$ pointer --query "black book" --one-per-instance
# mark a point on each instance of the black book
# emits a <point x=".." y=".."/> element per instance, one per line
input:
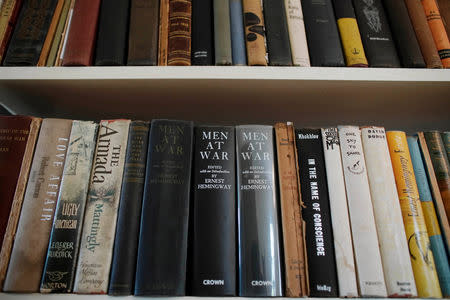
<point x="258" y="221"/>
<point x="30" y="32"/>
<point x="322" y="34"/>
<point x="162" y="251"/>
<point x="403" y="33"/>
<point x="278" y="45"/>
<point x="123" y="265"/>
<point x="112" y="33"/>
<point x="316" y="213"/>
<point x="202" y="33"/>
<point x="214" y="212"/>
<point x="376" y="34"/>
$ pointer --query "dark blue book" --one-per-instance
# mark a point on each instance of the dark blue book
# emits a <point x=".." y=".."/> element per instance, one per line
<point x="238" y="50"/>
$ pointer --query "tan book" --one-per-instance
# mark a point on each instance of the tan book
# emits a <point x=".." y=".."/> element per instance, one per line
<point x="255" y="38"/>
<point x="50" y="34"/>
<point x="64" y="35"/>
<point x="35" y="222"/>
<point x="163" y="32"/>
<point x="52" y="54"/>
<point x="297" y="34"/>
<point x="8" y="16"/>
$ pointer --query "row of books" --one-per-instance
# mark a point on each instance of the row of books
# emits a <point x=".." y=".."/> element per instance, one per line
<point x="169" y="208"/>
<point x="334" y="33"/>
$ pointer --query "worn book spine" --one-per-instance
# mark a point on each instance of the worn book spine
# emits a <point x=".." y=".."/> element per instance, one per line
<point x="202" y="33"/>
<point x="398" y="271"/>
<point x="80" y="45"/>
<point x="291" y="212"/>
<point x="446" y="140"/>
<point x="403" y="34"/>
<point x="65" y="34"/>
<point x="441" y="166"/>
<point x="343" y="245"/>
<point x="53" y="51"/>
<point x="99" y="225"/>
<point x="444" y="9"/>
<point x="35" y="223"/>
<point x="179" y="36"/>
<point x="62" y="252"/>
<point x="8" y="16"/>
<point x="28" y="38"/>
<point x="437" y="28"/>
<point x="369" y="266"/>
<point x="255" y="37"/>
<point x="163" y="38"/>
<point x="222" y="33"/>
<point x="434" y="232"/>
<point x="112" y="35"/>
<point x="376" y="34"/>
<point x="423" y="34"/>
<point x="162" y="251"/>
<point x="349" y="32"/>
<point x="17" y="200"/>
<point x="258" y="238"/>
<point x="322" y="34"/>
<point x="50" y="34"/>
<point x="422" y="260"/>
<point x="123" y="265"/>
<point x="214" y="212"/>
<point x="316" y="213"/>
<point x="238" y="51"/>
<point x="297" y="34"/>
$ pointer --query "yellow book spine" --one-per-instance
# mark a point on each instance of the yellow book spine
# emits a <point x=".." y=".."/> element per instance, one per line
<point x="413" y="218"/>
<point x="351" y="43"/>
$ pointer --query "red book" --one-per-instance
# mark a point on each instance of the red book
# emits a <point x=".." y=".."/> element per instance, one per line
<point x="80" y="45"/>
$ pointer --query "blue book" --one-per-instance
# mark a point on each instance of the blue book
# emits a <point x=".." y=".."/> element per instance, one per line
<point x="237" y="33"/>
<point x="434" y="233"/>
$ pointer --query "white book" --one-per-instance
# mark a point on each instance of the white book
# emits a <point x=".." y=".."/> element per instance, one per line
<point x="342" y="236"/>
<point x="394" y="250"/>
<point x="297" y="34"/>
<point x="365" y="240"/>
<point x="99" y="226"/>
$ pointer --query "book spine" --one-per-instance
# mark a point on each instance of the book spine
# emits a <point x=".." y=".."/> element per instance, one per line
<point x="35" y="223"/>
<point x="316" y="213"/>
<point x="214" y="214"/>
<point x="297" y="34"/>
<point x="434" y="232"/>
<point x="222" y="33"/>
<point x="423" y="34"/>
<point x="437" y="28"/>
<point x="446" y="140"/>
<point x="17" y="199"/>
<point x="254" y="33"/>
<point x="202" y="33"/>
<point x="28" y="37"/>
<point x="8" y="16"/>
<point x="349" y="32"/>
<point x="143" y="33"/>
<point x="99" y="226"/>
<point x="403" y="34"/>
<point x="444" y="9"/>
<point x="364" y="231"/>
<point x="291" y="212"/>
<point x="50" y="34"/>
<point x="398" y="272"/>
<point x="65" y="34"/>
<point x="237" y="33"/>
<point x="112" y="33"/>
<point x="57" y="40"/>
<point x="322" y="34"/>
<point x="343" y="246"/>
<point x="376" y="34"/>
<point x="422" y="260"/>
<point x="162" y="251"/>
<point x="163" y="38"/>
<point x="123" y="265"/>
<point x="258" y="238"/>
<point x="62" y="252"/>
<point x="179" y="37"/>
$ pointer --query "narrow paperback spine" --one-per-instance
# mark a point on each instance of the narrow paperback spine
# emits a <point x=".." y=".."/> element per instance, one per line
<point x="50" y="34"/>
<point x="222" y="33"/>
<point x="59" y="32"/>
<point x="64" y="36"/>
<point x="202" y="33"/>
<point x="254" y="33"/>
<point x="179" y="36"/>
<point x="237" y="33"/>
<point x="297" y="34"/>
<point x="163" y="38"/>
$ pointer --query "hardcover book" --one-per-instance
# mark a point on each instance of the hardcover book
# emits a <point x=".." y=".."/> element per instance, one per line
<point x="202" y="33"/>
<point x="254" y="33"/>
<point x="343" y="245"/>
<point x="238" y="51"/>
<point x="368" y="262"/>
<point x="398" y="272"/>
<point x="179" y="36"/>
<point x="123" y="265"/>
<point x="163" y="38"/>
<point x="297" y="34"/>
<point x="316" y="213"/>
<point x="59" y="33"/>
<point x="444" y="10"/>
<point x="162" y="251"/>
<point x="50" y="34"/>
<point x="62" y="252"/>
<point x="99" y="225"/>
<point x="222" y="33"/>
<point x="214" y="212"/>
<point x="258" y="238"/>
<point x="35" y="223"/>
<point x="8" y="17"/>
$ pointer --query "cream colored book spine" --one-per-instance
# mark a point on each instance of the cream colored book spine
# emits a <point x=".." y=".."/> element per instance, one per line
<point x="297" y="34"/>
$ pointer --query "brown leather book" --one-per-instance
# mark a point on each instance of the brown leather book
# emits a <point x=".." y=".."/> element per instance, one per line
<point x="163" y="32"/>
<point x="444" y="9"/>
<point x="254" y="33"/>
<point x="35" y="222"/>
<point x="50" y="34"/>
<point x="8" y="17"/>
<point x="423" y="34"/>
<point x="179" y="41"/>
<point x="80" y="44"/>
<point x="18" y="162"/>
